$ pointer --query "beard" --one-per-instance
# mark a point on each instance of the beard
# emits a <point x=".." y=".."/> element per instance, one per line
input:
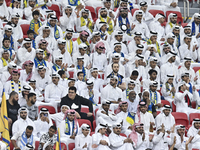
<point x="85" y="17"/>
<point x="104" y="15"/>
<point x="124" y="15"/>
<point x="15" y="102"/>
<point x="32" y="102"/>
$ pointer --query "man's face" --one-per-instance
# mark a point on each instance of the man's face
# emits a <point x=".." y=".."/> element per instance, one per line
<point x="32" y="3"/>
<point x="90" y="87"/>
<point x="6" y="43"/>
<point x="119" y="38"/>
<point x="39" y="56"/>
<point x="27" y="45"/>
<point x="124" y="4"/>
<point x="187" y="31"/>
<point x="117" y="130"/>
<point x="145" y="96"/>
<point x="15" y="76"/>
<point x="33" y="99"/>
<point x="61" y="46"/>
<point x="176" y="32"/>
<point x="118" y="48"/>
<point x="106" y="107"/>
<point x="181" y="132"/>
<point x="115" y="68"/>
<point x="140" y="129"/>
<point x="187" y="40"/>
<point x="173" y="20"/>
<point x="52" y="22"/>
<point x="94" y="74"/>
<point x="29" y="68"/>
<point x="69" y="36"/>
<point x="71" y="83"/>
<point x="103" y="13"/>
<point x="139" y="18"/>
<point x="107" y="5"/>
<point x="1" y="2"/>
<point x="185" y="78"/>
<point x="167" y="50"/>
<point x="139" y="51"/>
<point x="197" y="125"/>
<point x="23" y="114"/>
<point x="80" y="62"/>
<point x="153" y="76"/>
<point x="166" y="112"/>
<point x="153" y="88"/>
<point x="161" y="20"/>
<point x="70" y="117"/>
<point x="55" y="80"/>
<point x="143" y="109"/>
<point x="134" y="77"/>
<point x="82" y="51"/>
<point x="71" y="94"/>
<point x="137" y="39"/>
<point x="131" y="86"/>
<point x="43" y="46"/>
<point x="144" y="8"/>
<point x="123" y="13"/>
<point x="113" y="82"/>
<point x="197" y="20"/>
<point x="187" y="64"/>
<point x="15" y="20"/>
<point x="5" y="56"/>
<point x="124" y="107"/>
<point x="103" y="131"/>
<point x="46" y="32"/>
<point x="32" y="85"/>
<point x="170" y="41"/>
<point x="97" y="38"/>
<point x="42" y="72"/>
<point x="132" y="95"/>
<point x="115" y="60"/>
<point x="15" y="99"/>
<point x="83" y="38"/>
<point x="85" y="132"/>
<point x="64" y="109"/>
<point x="68" y="11"/>
<point x="28" y="133"/>
<point x="8" y="33"/>
<point x="58" y="62"/>
<point x="173" y="58"/>
<point x="51" y="132"/>
<point x="153" y="38"/>
<point x="85" y="15"/>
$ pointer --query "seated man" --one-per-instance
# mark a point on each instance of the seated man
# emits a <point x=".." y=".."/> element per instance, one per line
<point x="118" y="142"/>
<point x="27" y="71"/>
<point x="106" y="115"/>
<point x="43" y="123"/>
<point x="172" y="21"/>
<point x="23" y="121"/>
<point x="23" y="137"/>
<point x="133" y="100"/>
<point x="83" y="140"/>
<point x="39" y="95"/>
<point x="99" y="139"/>
<point x="49" y="137"/>
<point x="69" y="127"/>
<point x="75" y="101"/>
<point x="24" y="96"/>
<point x="194" y="132"/>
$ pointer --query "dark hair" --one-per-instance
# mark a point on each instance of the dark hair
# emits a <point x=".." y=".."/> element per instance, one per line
<point x="135" y="73"/>
<point x="73" y="89"/>
<point x="30" y="31"/>
<point x="29" y="127"/>
<point x="13" y="93"/>
<point x="36" y="12"/>
<point x="5" y="39"/>
<point x="53" y="127"/>
<point x="31" y="95"/>
<point x="152" y="71"/>
<point x="61" y="72"/>
<point x="114" y="63"/>
<point x="79" y="73"/>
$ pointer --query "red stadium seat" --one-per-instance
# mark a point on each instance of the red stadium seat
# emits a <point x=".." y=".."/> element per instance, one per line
<point x="115" y="9"/>
<point x="85" y="110"/>
<point x="194" y="104"/>
<point x="62" y="146"/>
<point x="37" y="143"/>
<point x="96" y="111"/>
<point x="56" y="9"/>
<point x="95" y="19"/>
<point x="71" y="74"/>
<point x="155" y="12"/>
<point x="94" y="124"/>
<point x="184" y="24"/>
<point x="196" y="69"/>
<point x="193" y="116"/>
<point x="122" y="134"/>
<point x="165" y="102"/>
<point x="25" y="28"/>
<point x="74" y="39"/>
<point x="99" y="100"/>
<point x="164" y="24"/>
<point x="92" y="11"/>
<point x="195" y="149"/>
<point x="133" y="10"/>
<point x="50" y="108"/>
<point x="8" y="4"/>
<point x="101" y="76"/>
<point x="158" y="112"/>
<point x="173" y="107"/>
<point x="82" y="121"/>
<point x="181" y="118"/>
<point x="91" y="133"/>
<point x="179" y="19"/>
<point x="97" y="11"/>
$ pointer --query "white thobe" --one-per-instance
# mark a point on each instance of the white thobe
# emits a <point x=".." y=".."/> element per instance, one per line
<point x="85" y="94"/>
<point x="24" y="75"/>
<point x="96" y="138"/>
<point x="141" y="27"/>
<point x="117" y="142"/>
<point x="80" y="141"/>
<point x="51" y="42"/>
<point x="168" y="121"/>
<point x="123" y="46"/>
<point x="21" y="124"/>
<point x="147" y="82"/>
<point x="17" y="32"/>
<point x="80" y="85"/>
<point x="179" y="145"/>
<point x="67" y="23"/>
<point x="132" y="47"/>
<point x="59" y="30"/>
<point x="137" y="88"/>
<point x="85" y="56"/>
<point x="57" y="117"/>
<point x="41" y="83"/>
<point x="4" y="77"/>
<point x="142" y="145"/>
<point x="145" y="119"/>
<point x="185" y="52"/>
<point x="191" y="72"/>
<point x="167" y="95"/>
<point x="193" y="132"/>
<point x="63" y="82"/>
<point x="98" y="83"/>
<point x="98" y="61"/>
<point x="109" y="70"/>
<point x="148" y="17"/>
<point x="132" y="106"/>
<point x="168" y="28"/>
<point x="156" y="26"/>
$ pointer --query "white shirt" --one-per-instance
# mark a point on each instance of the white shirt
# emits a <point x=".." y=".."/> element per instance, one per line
<point x="54" y="92"/>
<point x="185" y="52"/>
<point x="85" y="94"/>
<point x="62" y="127"/>
<point x="141" y="27"/>
<point x="85" y="56"/>
<point x="96" y="138"/>
<point x="41" y="127"/>
<point x="24" y="75"/>
<point x="51" y="42"/>
<point x="67" y="59"/>
<point x="80" y="141"/>
<point x="57" y="117"/>
<point x="194" y="133"/>
<point x="98" y="83"/>
<point x="191" y="72"/>
<point x="41" y="83"/>
<point x="98" y="61"/>
<point x="21" y="124"/>
<point x="80" y="85"/>
<point x="156" y="26"/>
<point x="66" y="22"/>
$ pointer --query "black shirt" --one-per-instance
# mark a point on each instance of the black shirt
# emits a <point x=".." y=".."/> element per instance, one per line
<point x="76" y="103"/>
<point x="12" y="111"/>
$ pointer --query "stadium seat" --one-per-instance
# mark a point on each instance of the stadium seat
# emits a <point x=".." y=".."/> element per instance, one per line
<point x="164" y="24"/>
<point x="8" y="4"/>
<point x="155" y="12"/>
<point x="25" y="28"/>
<point x="193" y="116"/>
<point x="181" y="118"/>
<point x="184" y="24"/>
<point x="101" y="76"/>
<point x="99" y="100"/>
<point x="194" y="104"/>
<point x="71" y="74"/>
<point x="115" y="9"/>
<point x="133" y="10"/>
<point x="74" y="39"/>
<point x="179" y="19"/>
<point x="158" y="112"/>
<point x="94" y="124"/>
<point x="84" y="109"/>
<point x="56" y="9"/>
<point x="96" y="111"/>
<point x="91" y="133"/>
<point x="122" y="134"/>
<point x="173" y="107"/>
<point x="50" y="108"/>
<point x="165" y="102"/>
<point x="97" y="11"/>
<point x="62" y="146"/>
<point x="196" y="69"/>
<point x="82" y="121"/>
<point x="195" y="149"/>
<point x="37" y="143"/>
<point x="92" y="11"/>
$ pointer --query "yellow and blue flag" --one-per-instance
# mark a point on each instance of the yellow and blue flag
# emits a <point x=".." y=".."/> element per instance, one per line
<point x="130" y="118"/>
<point x="4" y="122"/>
<point x="58" y="143"/>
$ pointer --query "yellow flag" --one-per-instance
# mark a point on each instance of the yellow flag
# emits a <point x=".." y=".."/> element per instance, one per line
<point x="4" y="123"/>
<point x="58" y="144"/>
